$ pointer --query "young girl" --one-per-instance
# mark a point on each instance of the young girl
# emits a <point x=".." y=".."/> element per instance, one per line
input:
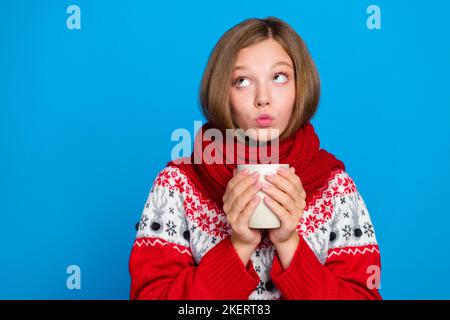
<point x="193" y="239"/>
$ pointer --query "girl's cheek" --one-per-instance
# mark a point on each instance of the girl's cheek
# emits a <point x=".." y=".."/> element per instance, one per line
<point x="285" y="95"/>
<point x="243" y="100"/>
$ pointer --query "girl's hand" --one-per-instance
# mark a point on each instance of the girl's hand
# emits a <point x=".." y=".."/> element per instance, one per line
<point x="286" y="198"/>
<point x="239" y="203"/>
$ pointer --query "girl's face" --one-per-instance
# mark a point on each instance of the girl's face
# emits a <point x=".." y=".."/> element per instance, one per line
<point x="263" y="86"/>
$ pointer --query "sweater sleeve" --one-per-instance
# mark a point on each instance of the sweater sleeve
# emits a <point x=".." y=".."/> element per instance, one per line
<point x="161" y="265"/>
<point x="351" y="269"/>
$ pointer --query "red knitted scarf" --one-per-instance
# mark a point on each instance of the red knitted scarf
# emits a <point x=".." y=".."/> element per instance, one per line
<point x="301" y="150"/>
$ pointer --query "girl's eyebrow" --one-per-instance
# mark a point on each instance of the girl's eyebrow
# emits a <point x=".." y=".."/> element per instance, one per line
<point x="273" y="66"/>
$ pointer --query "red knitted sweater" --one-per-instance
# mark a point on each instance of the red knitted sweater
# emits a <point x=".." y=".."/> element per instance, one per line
<point x="183" y="250"/>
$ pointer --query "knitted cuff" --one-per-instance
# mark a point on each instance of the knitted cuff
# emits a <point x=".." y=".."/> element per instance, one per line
<point x="224" y="273"/>
<point x="300" y="279"/>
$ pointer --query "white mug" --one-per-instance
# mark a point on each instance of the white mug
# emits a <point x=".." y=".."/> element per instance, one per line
<point x="263" y="217"/>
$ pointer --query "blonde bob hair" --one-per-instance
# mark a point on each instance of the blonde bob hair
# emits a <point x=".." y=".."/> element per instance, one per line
<point x="216" y="81"/>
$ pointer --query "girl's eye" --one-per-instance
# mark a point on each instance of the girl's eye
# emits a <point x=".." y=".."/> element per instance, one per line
<point x="239" y="81"/>
<point x="283" y="75"/>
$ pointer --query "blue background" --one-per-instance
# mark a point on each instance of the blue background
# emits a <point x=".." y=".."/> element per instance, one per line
<point x="86" y="118"/>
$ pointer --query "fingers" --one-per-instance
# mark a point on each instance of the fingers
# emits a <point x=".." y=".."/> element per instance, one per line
<point x="289" y="174"/>
<point x="287" y="181"/>
<point x="281" y="197"/>
<point x="239" y="185"/>
<point x="237" y="177"/>
<point x="245" y="196"/>
<point x="280" y="212"/>
<point x="249" y="209"/>
<point x="283" y="184"/>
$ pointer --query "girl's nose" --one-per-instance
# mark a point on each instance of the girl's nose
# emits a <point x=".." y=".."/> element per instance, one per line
<point x="262" y="102"/>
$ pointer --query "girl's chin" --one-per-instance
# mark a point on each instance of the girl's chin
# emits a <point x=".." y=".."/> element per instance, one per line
<point x="268" y="134"/>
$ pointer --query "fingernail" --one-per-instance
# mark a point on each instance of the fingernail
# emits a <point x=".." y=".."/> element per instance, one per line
<point x="266" y="186"/>
<point x="269" y="176"/>
<point x="245" y="172"/>
<point x="282" y="169"/>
